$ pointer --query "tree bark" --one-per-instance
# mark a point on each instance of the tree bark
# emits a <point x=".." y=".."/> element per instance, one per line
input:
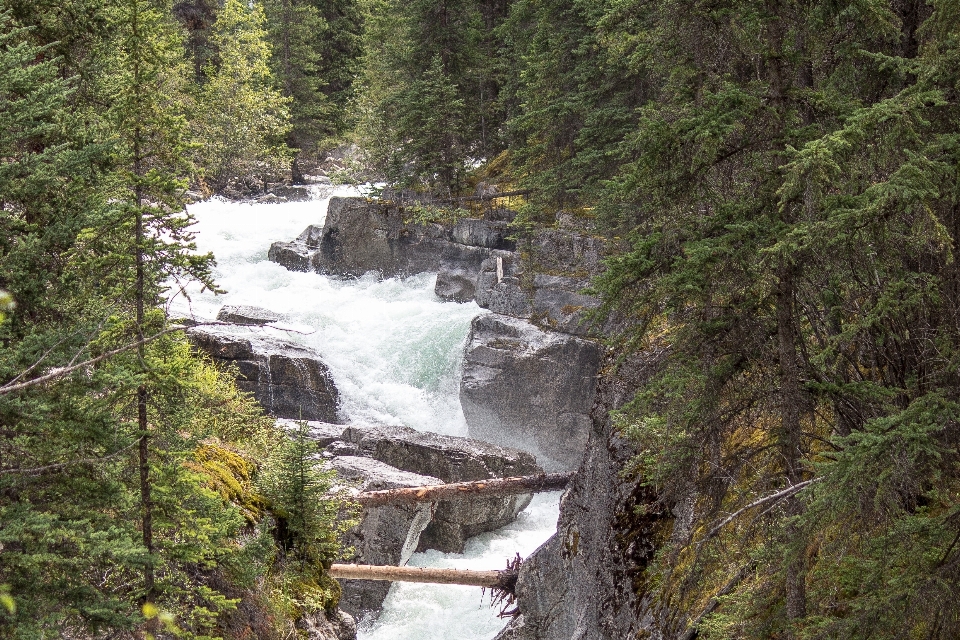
<point x="146" y="501"/>
<point x="790" y="432"/>
<point x="463" y="490"/>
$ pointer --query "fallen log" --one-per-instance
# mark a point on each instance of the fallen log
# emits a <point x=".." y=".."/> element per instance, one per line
<point x="505" y="580"/>
<point x="497" y="487"/>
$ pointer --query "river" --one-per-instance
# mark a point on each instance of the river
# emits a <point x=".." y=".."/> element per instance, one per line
<point x="394" y="350"/>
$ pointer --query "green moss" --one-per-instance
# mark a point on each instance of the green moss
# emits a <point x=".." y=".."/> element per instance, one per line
<point x="231" y="475"/>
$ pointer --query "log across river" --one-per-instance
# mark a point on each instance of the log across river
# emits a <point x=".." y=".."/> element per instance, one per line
<point x="497" y="487"/>
<point x="493" y="579"/>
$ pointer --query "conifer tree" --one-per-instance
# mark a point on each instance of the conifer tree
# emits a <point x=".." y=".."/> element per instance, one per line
<point x="309" y="523"/>
<point x="791" y="238"/>
<point x="242" y="121"/>
<point x="431" y="99"/>
<point x="315" y="48"/>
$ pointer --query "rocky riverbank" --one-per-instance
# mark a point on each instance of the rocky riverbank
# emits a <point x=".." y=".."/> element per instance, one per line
<point x="535" y="377"/>
<point x="530" y="366"/>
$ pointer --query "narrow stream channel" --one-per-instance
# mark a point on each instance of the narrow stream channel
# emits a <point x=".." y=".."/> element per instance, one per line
<point x="394" y="350"/>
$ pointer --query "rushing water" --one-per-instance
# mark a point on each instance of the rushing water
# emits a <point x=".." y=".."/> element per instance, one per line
<point x="394" y="350"/>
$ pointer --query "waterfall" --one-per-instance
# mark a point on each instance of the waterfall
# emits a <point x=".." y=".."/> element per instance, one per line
<point x="394" y="351"/>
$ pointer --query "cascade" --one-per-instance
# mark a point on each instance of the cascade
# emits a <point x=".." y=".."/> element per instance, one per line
<point x="395" y="353"/>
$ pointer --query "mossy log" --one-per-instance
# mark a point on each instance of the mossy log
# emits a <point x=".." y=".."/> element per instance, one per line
<point x="461" y="490"/>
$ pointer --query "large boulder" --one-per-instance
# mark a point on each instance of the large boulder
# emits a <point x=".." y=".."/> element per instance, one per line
<point x="386" y="535"/>
<point x="586" y="582"/>
<point x="360" y="236"/>
<point x="338" y="625"/>
<point x="288" y="380"/>
<point x="531" y="389"/>
<point x="452" y="459"/>
<point x="247" y="315"/>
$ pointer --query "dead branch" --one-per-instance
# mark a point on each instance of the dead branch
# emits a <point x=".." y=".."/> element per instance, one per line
<point x="36" y="471"/>
<point x="780" y="495"/>
<point x="60" y="372"/>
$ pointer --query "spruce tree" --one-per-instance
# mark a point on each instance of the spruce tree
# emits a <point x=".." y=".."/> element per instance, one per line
<point x="309" y="522"/>
<point x="315" y="48"/>
<point x="241" y="121"/>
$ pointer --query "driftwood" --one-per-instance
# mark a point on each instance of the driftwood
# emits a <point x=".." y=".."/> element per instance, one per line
<point x="504" y="580"/>
<point x="460" y="490"/>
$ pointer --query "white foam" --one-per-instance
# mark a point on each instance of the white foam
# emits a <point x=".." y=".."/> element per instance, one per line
<point x="394" y="350"/>
<point x="392" y="346"/>
<point x="443" y="612"/>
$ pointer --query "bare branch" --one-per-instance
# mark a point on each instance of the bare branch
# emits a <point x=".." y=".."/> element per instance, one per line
<point x="56" y="374"/>
<point x="35" y="471"/>
<point x="780" y="495"/>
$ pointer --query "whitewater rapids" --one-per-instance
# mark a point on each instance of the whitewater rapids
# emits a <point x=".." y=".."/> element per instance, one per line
<point x="395" y="353"/>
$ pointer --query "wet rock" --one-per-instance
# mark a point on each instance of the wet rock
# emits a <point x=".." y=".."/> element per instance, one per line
<point x="491" y="234"/>
<point x="360" y="236"/>
<point x="459" y="268"/>
<point x="386" y="535"/>
<point x="247" y="315"/>
<point x="310" y="237"/>
<point x="323" y="433"/>
<point x="451" y="459"/>
<point x="321" y="626"/>
<point x="298" y="254"/>
<point x="294" y="256"/>
<point x="289" y="381"/>
<point x="531" y="389"/>
<point x="583" y="582"/>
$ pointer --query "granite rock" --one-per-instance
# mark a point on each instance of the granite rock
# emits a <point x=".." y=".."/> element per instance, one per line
<point x="531" y="389"/>
<point x="360" y="236"/>
<point x="288" y="380"/>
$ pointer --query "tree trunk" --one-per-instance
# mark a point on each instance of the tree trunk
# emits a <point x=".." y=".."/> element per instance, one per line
<point x="790" y="432"/>
<point x="505" y="579"/>
<point x="464" y="490"/>
<point x="146" y="502"/>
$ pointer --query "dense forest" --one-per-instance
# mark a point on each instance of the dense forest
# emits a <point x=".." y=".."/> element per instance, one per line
<point x="779" y="181"/>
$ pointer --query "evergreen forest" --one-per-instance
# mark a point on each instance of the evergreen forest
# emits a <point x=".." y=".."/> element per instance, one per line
<point x="779" y="185"/>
